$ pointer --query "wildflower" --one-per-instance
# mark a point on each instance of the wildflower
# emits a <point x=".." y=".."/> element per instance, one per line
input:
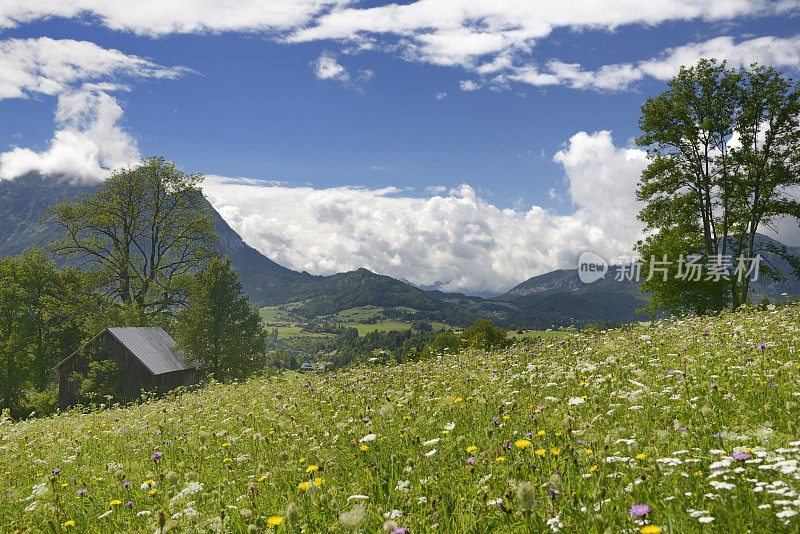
<point x="589" y="451"/>
<point x="500" y="459"/>
<point x="318" y="481"/>
<point x="153" y="491"/>
<point x="741" y="456"/>
<point x="472" y="448"/>
<point x="705" y="519"/>
<point x="275" y="520"/>
<point x="639" y="510"/>
<point x="593" y="468"/>
<point x="540" y="452"/>
<point x="115" y="502"/>
<point x="541" y="433"/>
<point x="364" y="448"/>
<point x="263" y="478"/>
<point x="312" y="468"/>
<point x="304" y="486"/>
<point x="81" y="492"/>
<point x="576" y="400"/>
<point x="155" y="457"/>
<point x="555" y="451"/>
<point x="650" y="529"/>
<point x="368" y="437"/>
<point x="471" y="460"/>
<point x="641" y="456"/>
<point x="69" y="523"/>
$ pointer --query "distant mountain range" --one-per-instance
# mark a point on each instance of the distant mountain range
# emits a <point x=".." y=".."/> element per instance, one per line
<point x="553" y="299"/>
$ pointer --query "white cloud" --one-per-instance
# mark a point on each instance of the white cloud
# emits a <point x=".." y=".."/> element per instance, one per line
<point x="156" y="17"/>
<point x="327" y="68"/>
<point x="455" y="237"/>
<point x="440" y="96"/>
<point x="51" y="66"/>
<point x="780" y="52"/>
<point x="88" y="143"/>
<point x="89" y="140"/>
<point x="468" y="85"/>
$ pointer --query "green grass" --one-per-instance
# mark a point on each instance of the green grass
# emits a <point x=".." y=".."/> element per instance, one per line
<point x="697" y="420"/>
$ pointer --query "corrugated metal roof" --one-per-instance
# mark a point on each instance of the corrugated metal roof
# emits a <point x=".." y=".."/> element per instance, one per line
<point x="152" y="346"/>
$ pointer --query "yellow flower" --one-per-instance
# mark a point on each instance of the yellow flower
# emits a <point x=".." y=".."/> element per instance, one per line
<point x="458" y="399"/>
<point x="541" y="433"/>
<point x="650" y="529"/>
<point x="226" y="444"/>
<point x="318" y="481"/>
<point x="445" y="432"/>
<point x="304" y="486"/>
<point x="540" y="452"/>
<point x="302" y="460"/>
<point x="506" y="418"/>
<point x="263" y="478"/>
<point x="589" y="451"/>
<point x="115" y="502"/>
<point x="312" y="468"/>
<point x="227" y="461"/>
<point x="593" y="468"/>
<point x="364" y="447"/>
<point x="153" y="491"/>
<point x="274" y="521"/>
<point x="69" y="523"/>
<point x="522" y="443"/>
<point x="641" y="456"/>
<point x="555" y="450"/>
<point x="472" y="448"/>
<point x="148" y="481"/>
<point x="500" y="459"/>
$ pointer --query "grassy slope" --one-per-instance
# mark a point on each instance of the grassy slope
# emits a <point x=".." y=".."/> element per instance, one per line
<point x="650" y="415"/>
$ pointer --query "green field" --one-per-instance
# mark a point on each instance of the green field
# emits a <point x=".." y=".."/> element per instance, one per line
<point x="684" y="427"/>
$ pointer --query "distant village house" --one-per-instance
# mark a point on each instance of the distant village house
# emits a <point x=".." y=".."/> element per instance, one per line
<point x="146" y="358"/>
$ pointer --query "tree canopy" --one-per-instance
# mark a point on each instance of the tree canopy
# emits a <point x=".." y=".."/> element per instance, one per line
<point x="724" y="149"/>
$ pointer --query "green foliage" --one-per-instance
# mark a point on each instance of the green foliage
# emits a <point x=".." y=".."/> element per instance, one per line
<point x="218" y="329"/>
<point x="143" y="232"/>
<point x="100" y="382"/>
<point x="444" y="342"/>
<point x="724" y="149"/>
<point x="484" y="335"/>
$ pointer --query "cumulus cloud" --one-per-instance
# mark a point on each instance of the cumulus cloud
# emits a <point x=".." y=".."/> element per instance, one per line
<point x="454" y="236"/>
<point x="440" y="96"/>
<point x="87" y="145"/>
<point x="468" y="85"/>
<point x="89" y="139"/>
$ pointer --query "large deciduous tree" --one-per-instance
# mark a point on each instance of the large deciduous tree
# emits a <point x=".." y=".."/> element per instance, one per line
<point x="218" y="328"/>
<point x="723" y="146"/>
<point x="144" y="232"/>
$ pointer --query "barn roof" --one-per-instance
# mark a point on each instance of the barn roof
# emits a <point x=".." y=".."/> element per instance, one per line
<point x="150" y="345"/>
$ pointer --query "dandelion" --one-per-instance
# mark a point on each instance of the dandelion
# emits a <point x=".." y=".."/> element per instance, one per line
<point x="556" y="451"/>
<point x="312" y="468"/>
<point x="641" y="456"/>
<point x="275" y="521"/>
<point x="304" y="486"/>
<point x="650" y="529"/>
<point x="472" y="448"/>
<point x="541" y="433"/>
<point x="364" y="448"/>
<point x="318" y="482"/>
<point x="70" y="523"/>
<point x="541" y="452"/>
<point x="115" y="502"/>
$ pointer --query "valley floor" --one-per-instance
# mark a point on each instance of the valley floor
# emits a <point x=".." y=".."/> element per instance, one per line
<point x="689" y="426"/>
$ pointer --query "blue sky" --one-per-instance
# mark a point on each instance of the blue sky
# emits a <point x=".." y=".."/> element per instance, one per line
<point x="421" y="141"/>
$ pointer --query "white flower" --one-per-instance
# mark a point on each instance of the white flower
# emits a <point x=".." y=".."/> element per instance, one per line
<point x="402" y="485"/>
<point x="143" y="513"/>
<point x="706" y="519"/>
<point x="786" y="513"/>
<point x="449" y="426"/>
<point x="368" y="437"/>
<point x="430" y="442"/>
<point x="430" y="452"/>
<point x="104" y="514"/>
<point x="394" y="514"/>
<point x="357" y="497"/>
<point x="576" y="400"/>
<point x="422" y="500"/>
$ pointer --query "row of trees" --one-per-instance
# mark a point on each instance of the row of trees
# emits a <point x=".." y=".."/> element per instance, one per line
<point x="141" y="251"/>
<point x="724" y="150"/>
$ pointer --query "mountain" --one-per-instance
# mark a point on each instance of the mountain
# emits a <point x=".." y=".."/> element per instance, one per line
<point x="557" y="298"/>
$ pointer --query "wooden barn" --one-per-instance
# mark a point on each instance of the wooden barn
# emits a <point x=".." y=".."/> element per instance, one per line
<point x="146" y="358"/>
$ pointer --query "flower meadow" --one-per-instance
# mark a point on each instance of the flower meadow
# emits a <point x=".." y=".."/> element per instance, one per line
<point x="681" y="426"/>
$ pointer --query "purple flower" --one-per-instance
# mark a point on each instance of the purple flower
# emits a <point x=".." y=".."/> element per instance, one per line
<point x="762" y="346"/>
<point x="401" y="530"/>
<point x="156" y="456"/>
<point x="129" y="504"/>
<point x="81" y="492"/>
<point x="719" y="435"/>
<point x="126" y="484"/>
<point x="471" y="459"/>
<point x="639" y="510"/>
<point x="682" y="428"/>
<point x="741" y="455"/>
<point x="56" y="471"/>
<point x="553" y="492"/>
